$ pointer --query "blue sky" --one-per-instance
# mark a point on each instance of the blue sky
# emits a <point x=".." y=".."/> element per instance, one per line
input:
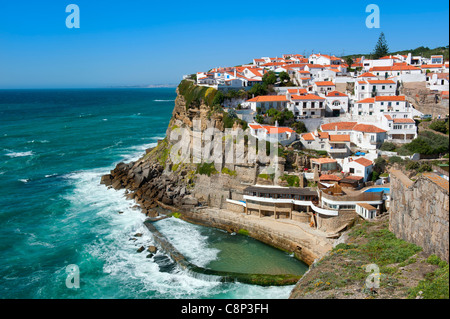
<point x="151" y="42"/>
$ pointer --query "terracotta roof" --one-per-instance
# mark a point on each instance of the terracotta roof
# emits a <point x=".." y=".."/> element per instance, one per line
<point x="277" y="130"/>
<point x="368" y="128"/>
<point x="340" y="138"/>
<point x="330" y="177"/>
<point x="363" y="161"/>
<point x="336" y="93"/>
<point x="428" y="66"/>
<point x="255" y="126"/>
<point x="308" y="137"/>
<point x="367" y="100"/>
<point x="307" y="97"/>
<point x="315" y="66"/>
<point x="269" y="98"/>
<point x="324" y="83"/>
<point x="323" y="160"/>
<point x="404" y="121"/>
<point x="299" y="91"/>
<point x="381" y="81"/>
<point x="366" y="75"/>
<point x="388" y="117"/>
<point x="340" y="126"/>
<point x="390" y="98"/>
<point x="324" y="135"/>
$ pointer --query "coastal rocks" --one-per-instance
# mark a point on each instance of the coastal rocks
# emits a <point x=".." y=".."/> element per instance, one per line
<point x="106" y="180"/>
<point x="152" y="249"/>
<point x="140" y="249"/>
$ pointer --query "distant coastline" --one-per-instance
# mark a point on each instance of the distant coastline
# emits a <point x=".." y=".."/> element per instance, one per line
<point x="149" y="86"/>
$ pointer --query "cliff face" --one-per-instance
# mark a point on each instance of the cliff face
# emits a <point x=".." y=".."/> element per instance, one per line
<point x="155" y="179"/>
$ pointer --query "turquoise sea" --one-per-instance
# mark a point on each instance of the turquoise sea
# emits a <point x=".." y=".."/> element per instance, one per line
<point x="54" y="147"/>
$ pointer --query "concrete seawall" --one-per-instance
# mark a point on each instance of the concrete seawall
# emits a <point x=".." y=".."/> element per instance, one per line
<point x="306" y="246"/>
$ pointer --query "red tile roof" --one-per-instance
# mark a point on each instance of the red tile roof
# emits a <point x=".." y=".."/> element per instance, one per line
<point x="368" y="128"/>
<point x="307" y="97"/>
<point x="404" y="121"/>
<point x="340" y="126"/>
<point x="269" y="98"/>
<point x="336" y="93"/>
<point x="367" y="100"/>
<point x="323" y="134"/>
<point x="381" y="81"/>
<point x="390" y="98"/>
<point x="363" y="161"/>
<point x="330" y="177"/>
<point x="366" y="75"/>
<point x="324" y="83"/>
<point x="308" y="137"/>
<point x="340" y="138"/>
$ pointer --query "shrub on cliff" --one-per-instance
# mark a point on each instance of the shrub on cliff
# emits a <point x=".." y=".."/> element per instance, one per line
<point x="206" y="169"/>
<point x="194" y="95"/>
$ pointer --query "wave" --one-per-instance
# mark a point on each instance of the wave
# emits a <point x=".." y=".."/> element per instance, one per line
<point x="38" y="141"/>
<point x="24" y="180"/>
<point x="19" y="154"/>
<point x="163" y="100"/>
<point x="51" y="175"/>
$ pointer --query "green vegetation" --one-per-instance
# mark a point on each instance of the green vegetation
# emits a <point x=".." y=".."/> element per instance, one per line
<point x="258" y="89"/>
<point x="440" y="126"/>
<point x="194" y="95"/>
<point x="269" y="78"/>
<point x="281" y="116"/>
<point x="435" y="284"/>
<point x="267" y="176"/>
<point x="292" y="180"/>
<point x="228" y="171"/>
<point x="243" y="231"/>
<point x="427" y="143"/>
<point x="381" y="49"/>
<point x="259" y="119"/>
<point x="176" y="215"/>
<point x="388" y="146"/>
<point x="299" y="127"/>
<point x="395" y="159"/>
<point x="206" y="169"/>
<point x="423" y="51"/>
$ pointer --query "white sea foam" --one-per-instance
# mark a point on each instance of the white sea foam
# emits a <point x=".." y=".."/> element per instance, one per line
<point x="24" y="180"/>
<point x="19" y="154"/>
<point x="51" y="175"/>
<point x="163" y="100"/>
<point x="38" y="141"/>
<point x="141" y="277"/>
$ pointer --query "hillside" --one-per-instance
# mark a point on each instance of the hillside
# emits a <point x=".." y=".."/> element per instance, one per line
<point x="420" y="51"/>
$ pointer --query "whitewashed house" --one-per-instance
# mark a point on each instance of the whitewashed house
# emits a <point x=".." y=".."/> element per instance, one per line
<point x="358" y="167"/>
<point x="273" y="134"/>
<point x="337" y="103"/>
<point x="266" y="102"/>
<point x="307" y="106"/>
<point x="370" y="88"/>
<point x="324" y="87"/>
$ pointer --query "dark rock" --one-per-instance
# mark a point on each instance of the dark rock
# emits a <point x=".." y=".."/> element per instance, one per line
<point x="149" y="256"/>
<point x="138" y="235"/>
<point x="117" y="185"/>
<point x="141" y="249"/>
<point x="120" y="212"/>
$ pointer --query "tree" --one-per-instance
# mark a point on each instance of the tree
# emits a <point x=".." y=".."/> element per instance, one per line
<point x="218" y="98"/>
<point x="258" y="89"/>
<point x="259" y="119"/>
<point x="284" y="76"/>
<point x="349" y="62"/>
<point x="299" y="127"/>
<point x="269" y="78"/>
<point x="439" y="126"/>
<point x="381" y="49"/>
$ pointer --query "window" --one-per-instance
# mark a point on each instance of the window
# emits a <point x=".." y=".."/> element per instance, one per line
<point x="398" y="103"/>
<point x="370" y="113"/>
<point x="309" y="142"/>
<point x="352" y="170"/>
<point x="362" y="87"/>
<point x="383" y="87"/>
<point x="312" y="113"/>
<point x="337" y="103"/>
<point x="320" y="104"/>
<point x="312" y="105"/>
<point x="322" y="146"/>
<point x="382" y="103"/>
<point x="359" y="113"/>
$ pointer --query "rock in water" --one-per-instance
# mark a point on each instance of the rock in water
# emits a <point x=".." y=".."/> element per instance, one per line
<point x="141" y="249"/>
<point x="152" y="249"/>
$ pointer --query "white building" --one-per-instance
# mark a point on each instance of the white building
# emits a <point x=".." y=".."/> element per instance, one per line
<point x="370" y="88"/>
<point x="273" y="134"/>
<point x="337" y="103"/>
<point x="359" y="167"/>
<point x="399" y="129"/>
<point x="364" y="136"/>
<point x="305" y="106"/>
<point x="266" y="102"/>
<point x="324" y="87"/>
<point x="437" y="81"/>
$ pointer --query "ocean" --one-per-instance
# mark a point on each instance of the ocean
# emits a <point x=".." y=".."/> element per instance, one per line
<point x="54" y="147"/>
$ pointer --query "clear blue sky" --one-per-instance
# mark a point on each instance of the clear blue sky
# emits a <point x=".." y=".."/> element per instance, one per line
<point x="150" y="42"/>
